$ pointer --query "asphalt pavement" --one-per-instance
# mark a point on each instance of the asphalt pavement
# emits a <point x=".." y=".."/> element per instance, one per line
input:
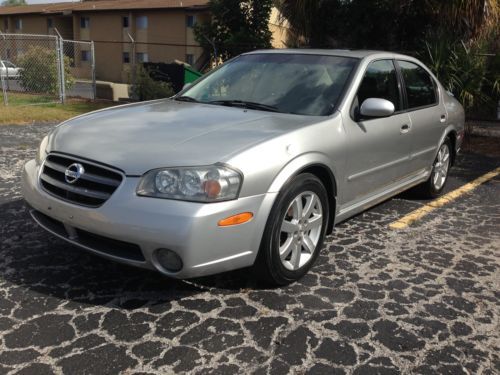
<point x="422" y="300"/>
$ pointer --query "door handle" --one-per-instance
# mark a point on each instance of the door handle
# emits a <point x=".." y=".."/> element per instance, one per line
<point x="405" y="128"/>
<point x="443" y="118"/>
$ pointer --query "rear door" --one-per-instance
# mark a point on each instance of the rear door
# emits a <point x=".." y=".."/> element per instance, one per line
<point x="426" y="111"/>
<point x="379" y="148"/>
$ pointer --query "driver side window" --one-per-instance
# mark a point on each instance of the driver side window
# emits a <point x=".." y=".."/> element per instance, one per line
<point x="380" y="81"/>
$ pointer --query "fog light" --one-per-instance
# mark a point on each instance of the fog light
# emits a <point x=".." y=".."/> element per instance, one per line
<point x="169" y="260"/>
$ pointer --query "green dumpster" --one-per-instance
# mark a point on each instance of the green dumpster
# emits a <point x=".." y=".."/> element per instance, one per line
<point x="190" y="75"/>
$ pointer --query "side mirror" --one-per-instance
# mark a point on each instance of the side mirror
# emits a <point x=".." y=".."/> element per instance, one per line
<point x="186" y="86"/>
<point x="376" y="107"/>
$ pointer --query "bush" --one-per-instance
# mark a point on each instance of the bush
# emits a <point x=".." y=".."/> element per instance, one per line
<point x="40" y="71"/>
<point x="463" y="70"/>
<point x="147" y="88"/>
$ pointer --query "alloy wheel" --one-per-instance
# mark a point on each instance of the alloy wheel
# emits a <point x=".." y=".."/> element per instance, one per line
<point x="441" y="167"/>
<point x="300" y="230"/>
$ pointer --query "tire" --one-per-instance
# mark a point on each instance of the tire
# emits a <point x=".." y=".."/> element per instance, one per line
<point x="433" y="187"/>
<point x="299" y="238"/>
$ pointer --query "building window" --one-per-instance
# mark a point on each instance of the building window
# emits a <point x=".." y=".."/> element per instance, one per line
<point x="85" y="55"/>
<point x="125" y="22"/>
<point x="19" y="24"/>
<point x="190" y="58"/>
<point x="85" y="22"/>
<point x="6" y="24"/>
<point x="142" y="22"/>
<point x="50" y="23"/>
<point x="190" y="21"/>
<point x="126" y="57"/>
<point x="142" y="57"/>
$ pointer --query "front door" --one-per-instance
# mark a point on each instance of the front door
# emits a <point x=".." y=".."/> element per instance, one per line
<point x="379" y="148"/>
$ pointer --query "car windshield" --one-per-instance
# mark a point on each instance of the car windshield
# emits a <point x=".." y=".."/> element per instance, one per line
<point x="288" y="83"/>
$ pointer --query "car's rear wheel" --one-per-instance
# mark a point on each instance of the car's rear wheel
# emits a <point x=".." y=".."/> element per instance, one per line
<point x="434" y="186"/>
<point x="295" y="231"/>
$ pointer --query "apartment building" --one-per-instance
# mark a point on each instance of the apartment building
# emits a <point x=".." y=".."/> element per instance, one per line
<point x="123" y="31"/>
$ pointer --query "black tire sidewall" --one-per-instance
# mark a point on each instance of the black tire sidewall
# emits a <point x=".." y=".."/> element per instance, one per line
<point x="299" y="184"/>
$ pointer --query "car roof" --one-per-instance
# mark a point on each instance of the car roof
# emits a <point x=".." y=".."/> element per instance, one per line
<point x="358" y="54"/>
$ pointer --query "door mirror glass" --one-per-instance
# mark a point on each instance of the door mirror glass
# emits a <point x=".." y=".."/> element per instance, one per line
<point x="376" y="107"/>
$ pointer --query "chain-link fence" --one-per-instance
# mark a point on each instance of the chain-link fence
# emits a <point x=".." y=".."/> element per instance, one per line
<point x="81" y="59"/>
<point x="36" y="69"/>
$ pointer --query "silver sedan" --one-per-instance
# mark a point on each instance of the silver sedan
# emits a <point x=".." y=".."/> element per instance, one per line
<point x="251" y="166"/>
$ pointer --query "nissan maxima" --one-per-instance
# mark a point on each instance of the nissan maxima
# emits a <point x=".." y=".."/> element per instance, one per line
<point x="250" y="166"/>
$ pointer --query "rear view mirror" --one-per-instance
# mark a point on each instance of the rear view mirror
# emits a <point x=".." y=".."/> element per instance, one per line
<point x="376" y="107"/>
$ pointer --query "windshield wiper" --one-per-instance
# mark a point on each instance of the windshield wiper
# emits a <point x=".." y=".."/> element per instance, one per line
<point x="245" y="104"/>
<point x="185" y="98"/>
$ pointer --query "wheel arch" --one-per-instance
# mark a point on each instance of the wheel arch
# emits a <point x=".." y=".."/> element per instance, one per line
<point x="318" y="166"/>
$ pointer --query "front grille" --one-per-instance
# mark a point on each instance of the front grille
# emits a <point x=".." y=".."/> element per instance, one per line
<point x="92" y="189"/>
<point x="101" y="244"/>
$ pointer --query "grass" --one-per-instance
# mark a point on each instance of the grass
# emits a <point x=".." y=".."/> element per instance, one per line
<point x="28" y="109"/>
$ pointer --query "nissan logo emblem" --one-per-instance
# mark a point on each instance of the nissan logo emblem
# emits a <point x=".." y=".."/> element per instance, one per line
<point x="73" y="173"/>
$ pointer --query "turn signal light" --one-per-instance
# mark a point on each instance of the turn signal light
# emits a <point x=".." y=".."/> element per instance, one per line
<point x="236" y="219"/>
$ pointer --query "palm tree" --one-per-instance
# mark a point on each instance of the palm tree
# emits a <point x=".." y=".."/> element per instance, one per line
<point x="469" y="19"/>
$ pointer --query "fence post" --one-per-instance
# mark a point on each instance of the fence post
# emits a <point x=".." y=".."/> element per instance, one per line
<point x="4" y="91"/>
<point x="94" y="87"/>
<point x="62" y="67"/>
<point x="133" y="61"/>
<point x="60" y="57"/>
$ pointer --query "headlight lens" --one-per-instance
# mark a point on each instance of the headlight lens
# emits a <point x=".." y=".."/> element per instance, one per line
<point x="198" y="184"/>
<point x="42" y="151"/>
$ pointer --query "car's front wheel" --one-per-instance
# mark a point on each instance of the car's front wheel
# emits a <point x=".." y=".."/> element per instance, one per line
<point x="295" y="231"/>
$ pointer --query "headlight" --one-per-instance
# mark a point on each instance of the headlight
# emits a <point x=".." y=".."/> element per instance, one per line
<point x="199" y="184"/>
<point x="41" y="153"/>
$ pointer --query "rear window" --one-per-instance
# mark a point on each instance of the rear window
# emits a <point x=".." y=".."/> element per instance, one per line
<point x="420" y="87"/>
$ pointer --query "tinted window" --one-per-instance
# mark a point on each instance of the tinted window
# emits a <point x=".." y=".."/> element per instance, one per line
<point x="85" y="55"/>
<point x="380" y="81"/>
<point x="420" y="88"/>
<point x="84" y="22"/>
<point x="292" y="83"/>
<point x="190" y="21"/>
<point x="142" y="57"/>
<point x="142" y="22"/>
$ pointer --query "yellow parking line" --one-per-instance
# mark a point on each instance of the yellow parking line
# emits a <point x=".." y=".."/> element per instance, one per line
<point x="447" y="198"/>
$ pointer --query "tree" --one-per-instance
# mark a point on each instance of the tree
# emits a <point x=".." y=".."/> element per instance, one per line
<point x="387" y="24"/>
<point x="452" y="37"/>
<point x="235" y="27"/>
<point x="10" y="3"/>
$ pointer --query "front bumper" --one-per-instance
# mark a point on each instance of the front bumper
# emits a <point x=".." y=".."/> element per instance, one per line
<point x="189" y="229"/>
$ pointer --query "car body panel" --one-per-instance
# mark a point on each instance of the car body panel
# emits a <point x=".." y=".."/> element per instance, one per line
<point x="9" y="70"/>
<point x="177" y="134"/>
<point x="368" y="161"/>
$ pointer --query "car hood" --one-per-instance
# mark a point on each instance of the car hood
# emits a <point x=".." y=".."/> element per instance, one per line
<point x="166" y="133"/>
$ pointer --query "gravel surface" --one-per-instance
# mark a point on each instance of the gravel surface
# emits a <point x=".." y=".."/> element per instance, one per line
<point x="422" y="300"/>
